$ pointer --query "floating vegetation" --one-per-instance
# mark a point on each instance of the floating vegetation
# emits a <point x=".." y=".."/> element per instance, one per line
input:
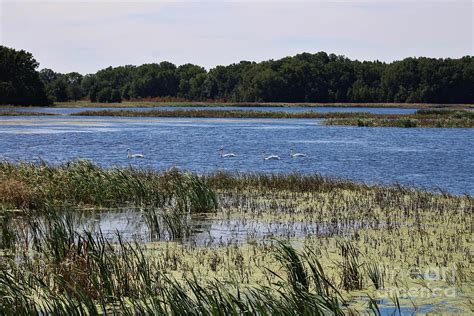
<point x="84" y="273"/>
<point x="355" y="248"/>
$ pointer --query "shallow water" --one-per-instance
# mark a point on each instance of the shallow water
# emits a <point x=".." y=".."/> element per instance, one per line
<point x="388" y="307"/>
<point x="430" y="158"/>
<point x="208" y="230"/>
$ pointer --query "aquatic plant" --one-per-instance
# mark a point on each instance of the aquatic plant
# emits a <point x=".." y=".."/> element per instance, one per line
<point x="81" y="184"/>
<point x="351" y="275"/>
<point x="422" y="118"/>
<point x="456" y="113"/>
<point x="225" y="114"/>
<point x="376" y="274"/>
<point x="329" y="240"/>
<point x="25" y="113"/>
<point x="442" y="118"/>
<point x="94" y="276"/>
<point x="8" y="235"/>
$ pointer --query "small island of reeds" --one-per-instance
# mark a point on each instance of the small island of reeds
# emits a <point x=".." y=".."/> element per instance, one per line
<point x="431" y="118"/>
<point x="25" y="113"/>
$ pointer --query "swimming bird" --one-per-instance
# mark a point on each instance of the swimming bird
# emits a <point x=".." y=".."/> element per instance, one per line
<point x="229" y="155"/>
<point x="130" y="155"/>
<point x="297" y="155"/>
<point x="271" y="157"/>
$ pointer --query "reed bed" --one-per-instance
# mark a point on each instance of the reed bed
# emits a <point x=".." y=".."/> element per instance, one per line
<point x="405" y="122"/>
<point x="346" y="248"/>
<point x="441" y="118"/>
<point x="157" y="102"/>
<point x="60" y="271"/>
<point x="431" y="118"/>
<point x="25" y="113"/>
<point x="222" y="114"/>
<point x="81" y="184"/>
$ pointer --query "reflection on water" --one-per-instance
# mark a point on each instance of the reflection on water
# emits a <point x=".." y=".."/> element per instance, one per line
<point x="208" y="230"/>
<point x="431" y="158"/>
<point x="388" y="307"/>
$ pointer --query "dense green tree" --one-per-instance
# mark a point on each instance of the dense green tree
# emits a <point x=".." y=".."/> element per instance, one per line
<point x="93" y="92"/>
<point x="104" y="95"/>
<point x="186" y="74"/>
<point x="20" y="83"/>
<point x="305" y="77"/>
<point x="57" y="89"/>
<point x="196" y="89"/>
<point x="62" y="87"/>
<point x="74" y="81"/>
<point x="47" y="75"/>
<point x="115" y="96"/>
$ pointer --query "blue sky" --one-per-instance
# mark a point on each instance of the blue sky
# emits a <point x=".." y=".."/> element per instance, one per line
<point x="85" y="36"/>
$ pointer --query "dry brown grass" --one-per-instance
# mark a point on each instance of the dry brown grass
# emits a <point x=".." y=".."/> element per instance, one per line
<point x="14" y="193"/>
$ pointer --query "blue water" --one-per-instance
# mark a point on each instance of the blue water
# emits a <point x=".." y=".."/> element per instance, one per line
<point x="295" y="109"/>
<point x="430" y="158"/>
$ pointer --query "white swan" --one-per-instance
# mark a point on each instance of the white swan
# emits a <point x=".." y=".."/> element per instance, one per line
<point x="271" y="157"/>
<point x="297" y="155"/>
<point x="130" y="155"/>
<point x="229" y="155"/>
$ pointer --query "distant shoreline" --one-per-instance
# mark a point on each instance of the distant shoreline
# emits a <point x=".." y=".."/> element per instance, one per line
<point x="151" y="104"/>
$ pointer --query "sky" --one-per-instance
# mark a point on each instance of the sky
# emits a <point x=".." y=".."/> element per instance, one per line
<point x="86" y="36"/>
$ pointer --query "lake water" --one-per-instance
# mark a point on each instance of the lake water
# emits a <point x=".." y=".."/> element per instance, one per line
<point x="430" y="158"/>
<point x="207" y="230"/>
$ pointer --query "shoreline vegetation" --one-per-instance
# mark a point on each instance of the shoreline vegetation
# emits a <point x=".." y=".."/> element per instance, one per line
<point x="376" y="243"/>
<point x="428" y="118"/>
<point x="431" y="118"/>
<point x="25" y="113"/>
<point x="158" y="103"/>
<point x="42" y="186"/>
<point x="152" y="103"/>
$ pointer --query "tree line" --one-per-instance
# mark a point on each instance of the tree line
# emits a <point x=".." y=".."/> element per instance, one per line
<point x="306" y="77"/>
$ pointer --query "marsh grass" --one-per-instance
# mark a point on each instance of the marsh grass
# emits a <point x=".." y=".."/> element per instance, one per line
<point x="442" y="118"/>
<point x="89" y="275"/>
<point x="25" y="113"/>
<point x="224" y="114"/>
<point x="160" y="102"/>
<point x="8" y="235"/>
<point x="50" y="266"/>
<point x="376" y="274"/>
<point x="422" y="118"/>
<point x="436" y="122"/>
<point x="177" y="224"/>
<point x="351" y="267"/>
<point x="294" y="182"/>
<point x="80" y="184"/>
<point x="456" y="113"/>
